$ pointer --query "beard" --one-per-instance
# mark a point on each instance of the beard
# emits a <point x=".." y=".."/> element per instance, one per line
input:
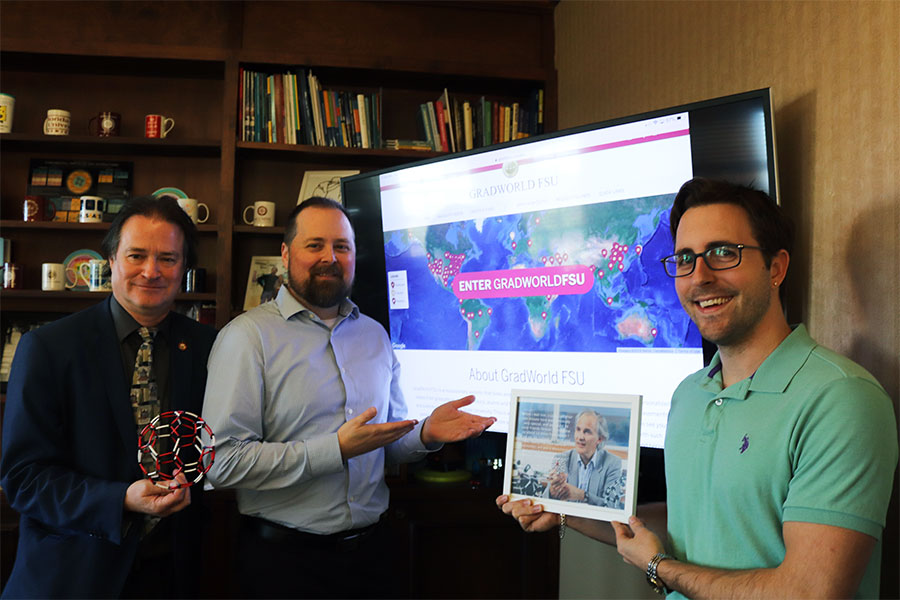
<point x="322" y="293"/>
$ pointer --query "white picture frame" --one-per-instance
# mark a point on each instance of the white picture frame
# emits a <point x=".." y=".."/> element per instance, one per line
<point x="541" y="447"/>
<point x="263" y="291"/>
<point x="323" y="183"/>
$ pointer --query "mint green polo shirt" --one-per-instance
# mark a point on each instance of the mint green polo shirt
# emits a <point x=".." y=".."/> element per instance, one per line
<point x="810" y="437"/>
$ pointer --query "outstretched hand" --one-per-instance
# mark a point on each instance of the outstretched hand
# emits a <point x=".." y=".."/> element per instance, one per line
<point x="530" y="516"/>
<point x="144" y="496"/>
<point x="357" y="436"/>
<point x="449" y="424"/>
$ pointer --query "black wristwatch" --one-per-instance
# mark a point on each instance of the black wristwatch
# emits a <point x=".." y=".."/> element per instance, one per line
<point x="652" y="578"/>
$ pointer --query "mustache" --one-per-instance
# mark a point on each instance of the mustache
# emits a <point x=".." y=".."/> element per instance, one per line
<point x="333" y="269"/>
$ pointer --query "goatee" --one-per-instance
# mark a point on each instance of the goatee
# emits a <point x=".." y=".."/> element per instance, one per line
<point x="323" y="293"/>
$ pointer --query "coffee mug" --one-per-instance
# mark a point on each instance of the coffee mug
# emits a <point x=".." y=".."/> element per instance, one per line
<point x="53" y="277"/>
<point x="97" y="275"/>
<point x="192" y="207"/>
<point x="107" y="124"/>
<point x="7" y="103"/>
<point x="157" y="126"/>
<point x="263" y="214"/>
<point x="34" y="208"/>
<point x="57" y="122"/>
<point x="92" y="209"/>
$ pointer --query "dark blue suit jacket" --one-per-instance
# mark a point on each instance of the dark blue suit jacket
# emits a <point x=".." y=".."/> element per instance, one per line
<point x="70" y="452"/>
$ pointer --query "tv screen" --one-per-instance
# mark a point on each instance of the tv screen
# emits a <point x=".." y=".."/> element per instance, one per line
<point x="535" y="264"/>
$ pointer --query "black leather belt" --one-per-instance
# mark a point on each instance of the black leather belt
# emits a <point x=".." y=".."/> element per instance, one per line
<point x="279" y="534"/>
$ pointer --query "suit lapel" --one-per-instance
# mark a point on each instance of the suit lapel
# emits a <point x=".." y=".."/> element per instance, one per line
<point x="109" y="368"/>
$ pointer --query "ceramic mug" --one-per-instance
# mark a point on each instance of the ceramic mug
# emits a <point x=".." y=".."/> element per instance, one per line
<point x="96" y="273"/>
<point x="92" y="209"/>
<point x="34" y="208"/>
<point x="157" y="126"/>
<point x="57" y="122"/>
<point x="263" y="214"/>
<point x="107" y="124"/>
<point x="53" y="277"/>
<point x="7" y="103"/>
<point x="192" y="207"/>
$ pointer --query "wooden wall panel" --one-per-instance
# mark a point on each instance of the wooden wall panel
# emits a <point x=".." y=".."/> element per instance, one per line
<point x="834" y="68"/>
<point x="473" y="33"/>
<point x="83" y="26"/>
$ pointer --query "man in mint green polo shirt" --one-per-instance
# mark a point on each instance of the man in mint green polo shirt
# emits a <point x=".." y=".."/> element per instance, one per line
<point x="780" y="454"/>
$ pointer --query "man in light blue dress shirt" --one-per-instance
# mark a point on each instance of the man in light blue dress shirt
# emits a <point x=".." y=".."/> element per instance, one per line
<point x="304" y="398"/>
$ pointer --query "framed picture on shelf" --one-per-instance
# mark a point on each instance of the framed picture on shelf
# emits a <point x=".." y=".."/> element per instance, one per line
<point x="323" y="183"/>
<point x="266" y="275"/>
<point x="554" y="436"/>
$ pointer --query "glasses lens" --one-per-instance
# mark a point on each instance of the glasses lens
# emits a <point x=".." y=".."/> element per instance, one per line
<point x="678" y="264"/>
<point x="723" y="257"/>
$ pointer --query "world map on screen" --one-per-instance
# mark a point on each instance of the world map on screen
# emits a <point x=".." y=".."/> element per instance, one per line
<point x="577" y="279"/>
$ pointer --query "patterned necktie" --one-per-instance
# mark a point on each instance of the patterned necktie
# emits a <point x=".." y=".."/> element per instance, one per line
<point x="144" y="399"/>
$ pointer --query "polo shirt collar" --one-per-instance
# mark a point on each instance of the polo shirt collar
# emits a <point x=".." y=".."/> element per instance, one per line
<point x="289" y="306"/>
<point x="772" y="376"/>
<point x="779" y="368"/>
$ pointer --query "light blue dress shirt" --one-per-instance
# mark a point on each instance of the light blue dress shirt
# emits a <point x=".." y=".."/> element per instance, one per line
<point x="586" y="470"/>
<point x="281" y="383"/>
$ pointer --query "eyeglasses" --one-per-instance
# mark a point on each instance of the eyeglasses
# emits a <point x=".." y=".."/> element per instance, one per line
<point x="726" y="256"/>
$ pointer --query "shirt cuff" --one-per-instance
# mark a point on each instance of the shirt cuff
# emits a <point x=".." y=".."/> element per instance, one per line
<point x="324" y="454"/>
<point x="419" y="445"/>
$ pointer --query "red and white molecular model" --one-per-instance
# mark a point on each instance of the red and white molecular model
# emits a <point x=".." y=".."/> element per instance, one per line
<point x="176" y="442"/>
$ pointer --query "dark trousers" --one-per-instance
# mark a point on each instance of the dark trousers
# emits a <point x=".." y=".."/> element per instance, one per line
<point x="279" y="562"/>
<point x="153" y="573"/>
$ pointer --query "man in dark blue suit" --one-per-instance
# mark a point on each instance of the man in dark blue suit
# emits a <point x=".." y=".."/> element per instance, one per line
<point x="91" y="524"/>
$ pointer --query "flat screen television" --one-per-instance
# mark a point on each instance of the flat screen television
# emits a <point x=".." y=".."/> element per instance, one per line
<point x="535" y="264"/>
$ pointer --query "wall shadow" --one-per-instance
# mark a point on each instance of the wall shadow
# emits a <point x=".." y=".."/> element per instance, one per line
<point x="871" y="260"/>
<point x="795" y="158"/>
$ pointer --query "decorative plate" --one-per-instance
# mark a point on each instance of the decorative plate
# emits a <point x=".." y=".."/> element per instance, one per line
<point x="79" y="181"/>
<point x="171" y="192"/>
<point x="72" y="263"/>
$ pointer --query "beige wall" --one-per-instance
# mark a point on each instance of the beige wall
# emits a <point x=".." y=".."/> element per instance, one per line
<point x="834" y="69"/>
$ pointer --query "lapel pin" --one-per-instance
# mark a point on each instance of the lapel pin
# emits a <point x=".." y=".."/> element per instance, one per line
<point x="182" y="346"/>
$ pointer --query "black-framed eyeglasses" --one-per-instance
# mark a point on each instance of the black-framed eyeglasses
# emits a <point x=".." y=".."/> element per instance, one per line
<point x="719" y="258"/>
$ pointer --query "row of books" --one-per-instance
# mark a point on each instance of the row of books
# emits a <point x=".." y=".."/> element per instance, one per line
<point x="454" y="124"/>
<point x="293" y="108"/>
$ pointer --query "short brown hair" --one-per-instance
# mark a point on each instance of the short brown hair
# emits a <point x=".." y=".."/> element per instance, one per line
<point x="771" y="227"/>
<point x="290" y="230"/>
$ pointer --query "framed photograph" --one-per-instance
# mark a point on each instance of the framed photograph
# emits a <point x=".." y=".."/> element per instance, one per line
<point x="322" y="183"/>
<point x="574" y="453"/>
<point x="267" y="273"/>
